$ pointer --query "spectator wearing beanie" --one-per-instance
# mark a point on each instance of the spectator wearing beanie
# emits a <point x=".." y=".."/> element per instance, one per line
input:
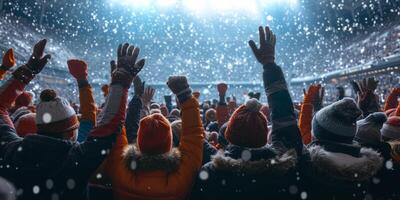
<point x="339" y="168"/>
<point x="19" y="113"/>
<point x="26" y="125"/>
<point x="23" y="100"/>
<point x="152" y="168"/>
<point x="369" y="135"/>
<point x="249" y="168"/>
<point x="52" y="155"/>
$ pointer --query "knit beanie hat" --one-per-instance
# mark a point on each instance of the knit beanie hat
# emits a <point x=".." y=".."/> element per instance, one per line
<point x="369" y="129"/>
<point x="19" y="113"/>
<point x="23" y="99"/>
<point x="248" y="127"/>
<point x="154" y="135"/>
<point x="337" y="122"/>
<point x="26" y="125"/>
<point x="391" y="129"/>
<point x="54" y="114"/>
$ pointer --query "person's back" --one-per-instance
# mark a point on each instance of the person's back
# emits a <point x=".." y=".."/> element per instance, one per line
<point x="152" y="169"/>
<point x="249" y="169"/>
<point x="266" y="175"/>
<point x="339" y="168"/>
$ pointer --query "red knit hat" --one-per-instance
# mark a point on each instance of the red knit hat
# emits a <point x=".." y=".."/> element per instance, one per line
<point x="23" y="99"/>
<point x="154" y="135"/>
<point x="248" y="127"/>
<point x="26" y="125"/>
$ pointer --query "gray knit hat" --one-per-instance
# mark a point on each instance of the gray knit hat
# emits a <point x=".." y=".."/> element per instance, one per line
<point x="337" y="122"/>
<point x="369" y="129"/>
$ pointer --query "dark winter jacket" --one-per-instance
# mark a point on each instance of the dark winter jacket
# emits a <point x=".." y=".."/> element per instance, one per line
<point x="340" y="171"/>
<point x="265" y="173"/>
<point x="384" y="184"/>
<point x="44" y="168"/>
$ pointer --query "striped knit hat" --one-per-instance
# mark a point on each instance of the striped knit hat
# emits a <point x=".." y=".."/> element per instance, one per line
<point x="391" y="129"/>
<point x="54" y="114"/>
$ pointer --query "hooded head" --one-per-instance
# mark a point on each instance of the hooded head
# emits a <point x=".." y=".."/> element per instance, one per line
<point x="154" y="135"/>
<point x="248" y="127"/>
<point x="55" y="117"/>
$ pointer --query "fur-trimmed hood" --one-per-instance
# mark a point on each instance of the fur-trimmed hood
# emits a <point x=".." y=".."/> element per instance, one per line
<point x="136" y="161"/>
<point x="344" y="167"/>
<point x="275" y="165"/>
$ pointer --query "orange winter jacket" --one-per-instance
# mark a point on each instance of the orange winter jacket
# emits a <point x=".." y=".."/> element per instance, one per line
<point x="168" y="176"/>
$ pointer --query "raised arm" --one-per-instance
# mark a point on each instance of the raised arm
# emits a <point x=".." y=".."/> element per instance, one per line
<point x="222" y="107"/>
<point x="78" y="69"/>
<point x="14" y="87"/>
<point x="191" y="143"/>
<point x="391" y="101"/>
<point x="285" y="132"/>
<point x="134" y="109"/>
<point x="93" y="150"/>
<point x="306" y="113"/>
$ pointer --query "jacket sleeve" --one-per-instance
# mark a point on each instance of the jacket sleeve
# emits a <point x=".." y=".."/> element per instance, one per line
<point x="222" y="111"/>
<point x="133" y="118"/>
<point x="305" y="119"/>
<point x="8" y="93"/>
<point x="391" y="101"/>
<point x="285" y="132"/>
<point x="95" y="148"/>
<point x="88" y="110"/>
<point x="191" y="145"/>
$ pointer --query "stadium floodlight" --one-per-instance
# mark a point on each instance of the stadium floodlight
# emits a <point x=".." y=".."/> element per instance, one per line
<point x="197" y="6"/>
<point x="132" y="3"/>
<point x="166" y="3"/>
<point x="209" y="6"/>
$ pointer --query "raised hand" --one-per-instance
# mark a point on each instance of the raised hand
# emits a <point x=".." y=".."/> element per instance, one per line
<point x="178" y="84"/>
<point x="78" y="69"/>
<point x="266" y="53"/>
<point x="180" y="87"/>
<point x="8" y="60"/>
<point x="138" y="86"/>
<point x="314" y="96"/>
<point x="367" y="100"/>
<point x="127" y="67"/>
<point x="148" y="95"/>
<point x="222" y="88"/>
<point x="37" y="61"/>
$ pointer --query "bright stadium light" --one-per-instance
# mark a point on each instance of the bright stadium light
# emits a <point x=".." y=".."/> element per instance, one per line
<point x="209" y="6"/>
<point x="166" y="3"/>
<point x="132" y="3"/>
<point x="195" y="5"/>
